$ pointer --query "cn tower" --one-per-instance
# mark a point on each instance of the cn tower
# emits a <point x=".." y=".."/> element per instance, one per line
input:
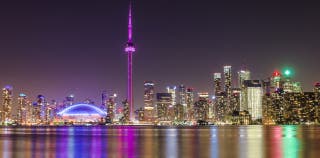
<point x="130" y="49"/>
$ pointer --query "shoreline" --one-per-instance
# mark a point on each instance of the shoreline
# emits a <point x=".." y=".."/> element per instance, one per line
<point x="143" y="126"/>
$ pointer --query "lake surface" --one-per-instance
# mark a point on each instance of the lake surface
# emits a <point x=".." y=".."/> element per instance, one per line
<point x="226" y="141"/>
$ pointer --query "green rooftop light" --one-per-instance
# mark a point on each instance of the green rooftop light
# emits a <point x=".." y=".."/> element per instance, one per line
<point x="288" y="72"/>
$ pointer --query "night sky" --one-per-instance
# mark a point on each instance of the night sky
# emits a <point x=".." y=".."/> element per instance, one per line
<point x="61" y="47"/>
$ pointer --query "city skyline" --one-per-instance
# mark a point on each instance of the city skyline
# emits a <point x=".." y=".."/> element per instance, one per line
<point x="44" y="57"/>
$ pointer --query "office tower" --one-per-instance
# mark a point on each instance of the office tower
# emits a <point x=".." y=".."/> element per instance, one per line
<point x="189" y="102"/>
<point x="217" y="84"/>
<point x="39" y="110"/>
<point x="140" y="113"/>
<point x="172" y="90"/>
<point x="130" y="49"/>
<point x="206" y="107"/>
<point x="227" y="80"/>
<point x="182" y="95"/>
<point x="254" y="92"/>
<point x="189" y="96"/>
<point x="243" y="75"/>
<point x="220" y="107"/>
<point x="110" y="110"/>
<point x="6" y="105"/>
<point x="126" y="112"/>
<point x="148" y="94"/>
<point x="22" y="109"/>
<point x="52" y="110"/>
<point x="164" y="101"/>
<point x="43" y="109"/>
<point x="276" y="83"/>
<point x="235" y="99"/>
<point x="201" y="107"/>
<point x="149" y="109"/>
<point x="179" y="112"/>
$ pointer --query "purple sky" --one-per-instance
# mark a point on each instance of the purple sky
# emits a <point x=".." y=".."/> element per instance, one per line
<point x="57" y="48"/>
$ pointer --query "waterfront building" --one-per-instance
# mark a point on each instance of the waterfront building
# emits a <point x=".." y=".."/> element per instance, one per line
<point x="164" y="101"/>
<point x="217" y="84"/>
<point x="6" y="105"/>
<point x="201" y="109"/>
<point x="140" y="114"/>
<point x="254" y="92"/>
<point x="126" y="112"/>
<point x="148" y="94"/>
<point x="172" y="90"/>
<point x="179" y="113"/>
<point x="23" y="109"/>
<point x="242" y="76"/>
<point x="39" y="111"/>
<point x="276" y="82"/>
<point x="182" y="95"/>
<point x="149" y="107"/>
<point x="219" y="104"/>
<point x="80" y="114"/>
<point x="110" y="110"/>
<point x="235" y="100"/>
<point x="189" y="102"/>
<point x="227" y="80"/>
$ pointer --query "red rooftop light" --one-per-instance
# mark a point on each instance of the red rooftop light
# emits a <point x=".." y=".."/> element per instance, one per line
<point x="276" y="73"/>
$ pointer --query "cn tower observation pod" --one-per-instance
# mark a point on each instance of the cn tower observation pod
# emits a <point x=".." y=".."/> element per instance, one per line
<point x="81" y="113"/>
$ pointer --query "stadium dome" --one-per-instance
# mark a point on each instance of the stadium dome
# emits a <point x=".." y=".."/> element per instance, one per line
<point x="82" y="110"/>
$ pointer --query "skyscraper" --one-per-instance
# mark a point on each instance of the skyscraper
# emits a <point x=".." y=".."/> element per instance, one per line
<point x="172" y="90"/>
<point x="227" y="80"/>
<point x="126" y="112"/>
<point x="164" y="100"/>
<point x="182" y="95"/>
<point x="149" y="110"/>
<point x="275" y="81"/>
<point x="39" y="110"/>
<point x="130" y="49"/>
<point x="243" y="75"/>
<point x="148" y="94"/>
<point x="217" y="83"/>
<point x="110" y="110"/>
<point x="22" y="109"/>
<point x="254" y="92"/>
<point x="189" y="102"/>
<point x="6" y="104"/>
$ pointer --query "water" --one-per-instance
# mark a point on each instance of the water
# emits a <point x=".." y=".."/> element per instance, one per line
<point x="227" y="141"/>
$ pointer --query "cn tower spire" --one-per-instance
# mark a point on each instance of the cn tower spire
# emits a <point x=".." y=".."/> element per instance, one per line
<point x="130" y="49"/>
<point x="130" y="22"/>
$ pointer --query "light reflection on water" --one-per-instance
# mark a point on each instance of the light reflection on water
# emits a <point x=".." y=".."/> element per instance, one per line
<point x="130" y="142"/>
